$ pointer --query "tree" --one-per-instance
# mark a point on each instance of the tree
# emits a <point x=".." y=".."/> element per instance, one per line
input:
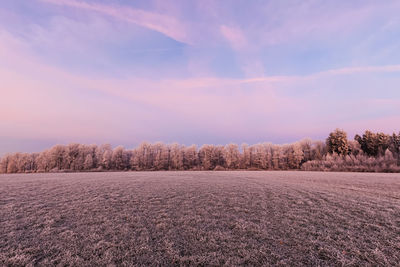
<point x="161" y="156"/>
<point x="337" y="142"/>
<point x="176" y="153"/>
<point x="4" y="163"/>
<point x="318" y="150"/>
<point x="306" y="147"/>
<point x="261" y="157"/>
<point x="190" y="159"/>
<point x="106" y="161"/>
<point x="232" y="156"/>
<point x="373" y="144"/>
<point x="58" y="156"/>
<point x="42" y="161"/>
<point x="12" y="164"/>
<point x="283" y="157"/>
<point x="206" y="159"/>
<point x="245" y="160"/>
<point x="276" y="152"/>
<point x="295" y="156"/>
<point x="370" y="152"/>
<point x="218" y="156"/>
<point x="395" y="143"/>
<point x="120" y="159"/>
<point x="23" y="162"/>
<point x="354" y="147"/>
<point x="383" y="143"/>
<point x="73" y="151"/>
<point x="88" y="165"/>
<point x="144" y="157"/>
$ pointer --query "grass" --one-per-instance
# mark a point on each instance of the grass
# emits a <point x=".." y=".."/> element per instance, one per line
<point x="200" y="218"/>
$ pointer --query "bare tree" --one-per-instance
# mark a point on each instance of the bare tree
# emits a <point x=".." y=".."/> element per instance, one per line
<point x="88" y="165"/>
<point x="232" y="156"/>
<point x="371" y="152"/>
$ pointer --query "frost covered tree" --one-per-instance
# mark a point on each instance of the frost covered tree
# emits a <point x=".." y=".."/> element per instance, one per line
<point x="337" y="142"/>
<point x="232" y="156"/>
<point x="190" y="159"/>
<point x="374" y="144"/>
<point x="206" y="157"/>
<point x="295" y="156"/>
<point x="370" y="152"/>
<point x="120" y="158"/>
<point x="88" y="164"/>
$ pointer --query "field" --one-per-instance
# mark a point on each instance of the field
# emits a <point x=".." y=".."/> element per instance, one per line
<point x="200" y="218"/>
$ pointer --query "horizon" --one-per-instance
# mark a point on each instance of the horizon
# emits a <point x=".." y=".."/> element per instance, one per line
<point x="198" y="146"/>
<point x="209" y="72"/>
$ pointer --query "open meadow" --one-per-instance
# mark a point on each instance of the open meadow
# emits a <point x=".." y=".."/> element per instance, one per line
<point x="200" y="218"/>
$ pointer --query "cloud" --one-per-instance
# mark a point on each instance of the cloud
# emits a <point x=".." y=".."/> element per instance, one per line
<point x="36" y="104"/>
<point x="43" y="101"/>
<point x="250" y="63"/>
<point x="234" y="36"/>
<point x="309" y="20"/>
<point x="362" y="69"/>
<point x="326" y="73"/>
<point x="162" y="23"/>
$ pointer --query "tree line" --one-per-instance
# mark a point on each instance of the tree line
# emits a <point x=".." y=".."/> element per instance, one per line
<point x="370" y="152"/>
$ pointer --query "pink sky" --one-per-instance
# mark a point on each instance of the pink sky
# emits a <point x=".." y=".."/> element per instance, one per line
<point x="107" y="72"/>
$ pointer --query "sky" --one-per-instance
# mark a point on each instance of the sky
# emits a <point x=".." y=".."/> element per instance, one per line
<point x="195" y="72"/>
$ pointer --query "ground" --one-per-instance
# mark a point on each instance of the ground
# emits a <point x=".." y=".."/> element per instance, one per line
<point x="200" y="218"/>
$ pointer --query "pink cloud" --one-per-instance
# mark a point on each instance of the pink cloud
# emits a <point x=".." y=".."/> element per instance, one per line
<point x="311" y="19"/>
<point x="361" y="69"/>
<point x="234" y="36"/>
<point x="45" y="101"/>
<point x="162" y="23"/>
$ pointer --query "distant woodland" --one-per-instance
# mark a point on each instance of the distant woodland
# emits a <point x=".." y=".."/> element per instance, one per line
<point x="370" y="152"/>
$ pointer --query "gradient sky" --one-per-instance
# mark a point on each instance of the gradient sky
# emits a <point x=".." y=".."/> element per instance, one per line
<point x="126" y="71"/>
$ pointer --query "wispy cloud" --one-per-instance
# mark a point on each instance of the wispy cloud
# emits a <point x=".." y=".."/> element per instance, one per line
<point x="234" y="36"/>
<point x="144" y="103"/>
<point x="162" y="23"/>
<point x="272" y="72"/>
<point x="362" y="69"/>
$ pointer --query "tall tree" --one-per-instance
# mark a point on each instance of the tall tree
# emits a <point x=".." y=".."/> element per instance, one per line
<point x="4" y="163"/>
<point x="190" y="159"/>
<point x="88" y="164"/>
<point x="337" y="142"/>
<point x="373" y="144"/>
<point x="395" y="145"/>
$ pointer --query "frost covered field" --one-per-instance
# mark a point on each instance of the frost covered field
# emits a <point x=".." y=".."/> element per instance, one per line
<point x="191" y="218"/>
